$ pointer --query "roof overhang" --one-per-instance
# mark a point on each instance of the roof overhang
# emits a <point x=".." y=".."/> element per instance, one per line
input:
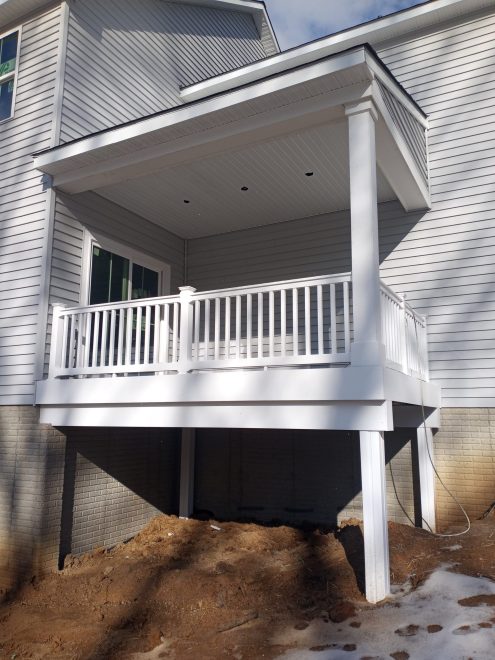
<point x="380" y="30"/>
<point x="13" y="10"/>
<point x="289" y="103"/>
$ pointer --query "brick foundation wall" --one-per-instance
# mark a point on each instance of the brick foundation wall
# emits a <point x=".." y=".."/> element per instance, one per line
<point x="295" y="476"/>
<point x="465" y="459"/>
<point x="72" y="490"/>
<point x="116" y="481"/>
<point x="31" y="483"/>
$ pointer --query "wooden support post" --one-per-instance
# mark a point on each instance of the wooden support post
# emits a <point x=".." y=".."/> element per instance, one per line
<point x="376" y="553"/>
<point x="367" y="348"/>
<point x="426" y="477"/>
<point x="186" y="498"/>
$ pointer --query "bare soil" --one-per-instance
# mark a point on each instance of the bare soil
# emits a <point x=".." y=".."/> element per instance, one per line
<point x="196" y="591"/>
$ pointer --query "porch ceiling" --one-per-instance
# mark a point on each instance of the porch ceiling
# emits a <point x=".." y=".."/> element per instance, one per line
<point x="207" y="197"/>
<point x="265" y="137"/>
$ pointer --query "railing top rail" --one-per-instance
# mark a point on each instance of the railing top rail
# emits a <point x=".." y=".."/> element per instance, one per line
<point x="398" y="299"/>
<point x="275" y="286"/>
<point x="124" y="304"/>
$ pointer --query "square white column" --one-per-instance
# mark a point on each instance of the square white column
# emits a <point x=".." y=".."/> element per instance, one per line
<point x="187" y="456"/>
<point x="426" y="477"/>
<point x="367" y="348"/>
<point x="376" y="551"/>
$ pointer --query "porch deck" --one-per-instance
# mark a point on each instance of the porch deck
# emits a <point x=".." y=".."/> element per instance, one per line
<point x="293" y="324"/>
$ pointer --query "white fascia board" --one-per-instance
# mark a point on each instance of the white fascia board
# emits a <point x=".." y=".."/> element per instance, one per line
<point x="394" y="88"/>
<point x="379" y="30"/>
<point x="232" y="5"/>
<point x="193" y="111"/>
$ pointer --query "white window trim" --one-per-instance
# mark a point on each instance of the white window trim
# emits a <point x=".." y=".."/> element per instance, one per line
<point x="161" y="267"/>
<point x="15" y="74"/>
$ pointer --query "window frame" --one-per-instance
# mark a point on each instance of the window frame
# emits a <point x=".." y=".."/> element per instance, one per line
<point x="133" y="255"/>
<point x="14" y="75"/>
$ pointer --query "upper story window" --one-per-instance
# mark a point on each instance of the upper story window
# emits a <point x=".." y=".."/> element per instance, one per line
<point x="9" y="60"/>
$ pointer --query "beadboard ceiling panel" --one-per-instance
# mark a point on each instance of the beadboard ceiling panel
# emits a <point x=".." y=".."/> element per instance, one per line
<point x="275" y="173"/>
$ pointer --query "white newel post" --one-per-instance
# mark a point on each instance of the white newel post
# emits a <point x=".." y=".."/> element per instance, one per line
<point x="367" y="348"/>
<point x="57" y="340"/>
<point x="426" y="477"/>
<point x="376" y="553"/>
<point x="186" y="327"/>
<point x="186" y="498"/>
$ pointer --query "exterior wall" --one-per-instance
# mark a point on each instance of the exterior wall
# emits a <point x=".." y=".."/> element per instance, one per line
<point x="296" y="476"/>
<point x="24" y="206"/>
<point x="31" y="482"/>
<point x="169" y="46"/>
<point x="444" y="263"/>
<point x="465" y="459"/>
<point x="73" y="214"/>
<point x="116" y="481"/>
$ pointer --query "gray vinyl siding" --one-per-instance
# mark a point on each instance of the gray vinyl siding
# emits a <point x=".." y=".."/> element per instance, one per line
<point x="23" y="206"/>
<point x="90" y="211"/>
<point x="127" y="60"/>
<point x="409" y="127"/>
<point x="445" y="261"/>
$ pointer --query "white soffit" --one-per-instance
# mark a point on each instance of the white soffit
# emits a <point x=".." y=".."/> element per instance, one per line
<point x="333" y="78"/>
<point x="13" y="10"/>
<point x="393" y="26"/>
<point x="275" y="173"/>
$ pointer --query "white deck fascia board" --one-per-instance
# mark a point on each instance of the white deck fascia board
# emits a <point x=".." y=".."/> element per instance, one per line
<point x="182" y="114"/>
<point x="337" y="417"/>
<point x="254" y="387"/>
<point x="379" y="30"/>
<point x="402" y="388"/>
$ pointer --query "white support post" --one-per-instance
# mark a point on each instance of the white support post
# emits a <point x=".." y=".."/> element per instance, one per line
<point x="186" y="328"/>
<point x="367" y="348"/>
<point x="186" y="498"/>
<point x="376" y="553"/>
<point x="426" y="477"/>
<point x="56" y="340"/>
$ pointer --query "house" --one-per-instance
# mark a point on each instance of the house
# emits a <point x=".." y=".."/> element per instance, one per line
<point x="252" y="282"/>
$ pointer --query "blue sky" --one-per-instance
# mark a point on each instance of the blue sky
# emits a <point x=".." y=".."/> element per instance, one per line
<point x="298" y="21"/>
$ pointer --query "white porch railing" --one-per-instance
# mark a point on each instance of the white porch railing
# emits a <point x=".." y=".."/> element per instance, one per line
<point x="294" y="323"/>
<point x="404" y="335"/>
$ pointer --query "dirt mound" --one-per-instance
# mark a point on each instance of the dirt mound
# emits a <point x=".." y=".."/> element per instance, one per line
<point x="211" y="590"/>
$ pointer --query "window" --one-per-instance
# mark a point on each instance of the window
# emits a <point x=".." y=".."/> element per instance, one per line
<point x="9" y="58"/>
<point x="115" y="278"/>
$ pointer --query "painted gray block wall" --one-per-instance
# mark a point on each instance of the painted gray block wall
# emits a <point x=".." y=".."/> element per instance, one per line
<point x="72" y="491"/>
<point x="116" y="481"/>
<point x="297" y="476"/>
<point x="167" y="46"/>
<point x="31" y="483"/>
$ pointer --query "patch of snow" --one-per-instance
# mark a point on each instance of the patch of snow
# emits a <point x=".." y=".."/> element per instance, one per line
<point x="453" y="548"/>
<point x="435" y="603"/>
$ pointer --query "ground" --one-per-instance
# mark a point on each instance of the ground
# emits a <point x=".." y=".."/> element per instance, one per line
<point x="193" y="590"/>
